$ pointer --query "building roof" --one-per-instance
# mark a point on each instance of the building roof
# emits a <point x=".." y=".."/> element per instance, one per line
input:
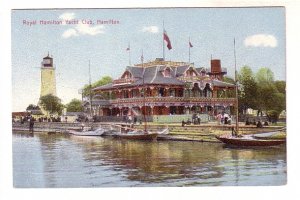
<point x="19" y="114"/>
<point x="153" y="74"/>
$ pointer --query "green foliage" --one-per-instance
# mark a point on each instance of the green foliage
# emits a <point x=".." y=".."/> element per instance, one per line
<point x="280" y="85"/>
<point x="248" y="92"/>
<point x="32" y="107"/>
<point x="87" y="89"/>
<point x="74" y="106"/>
<point x="52" y="104"/>
<point x="261" y="92"/>
<point x="264" y="75"/>
<point x="228" y="80"/>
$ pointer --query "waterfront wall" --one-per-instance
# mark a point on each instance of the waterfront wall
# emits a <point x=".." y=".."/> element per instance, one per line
<point x="157" y="118"/>
<point x="178" y="118"/>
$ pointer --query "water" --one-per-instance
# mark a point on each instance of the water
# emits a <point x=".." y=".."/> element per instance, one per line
<point x="43" y="160"/>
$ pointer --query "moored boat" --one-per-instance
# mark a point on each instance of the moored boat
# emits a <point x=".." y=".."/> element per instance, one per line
<point x="137" y="135"/>
<point x="249" y="141"/>
<point x="88" y="132"/>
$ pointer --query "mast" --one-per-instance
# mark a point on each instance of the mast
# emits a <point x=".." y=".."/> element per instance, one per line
<point x="236" y="91"/>
<point x="90" y="90"/>
<point x="163" y="40"/>
<point x="129" y="54"/>
<point x="144" y="94"/>
<point x="189" y="50"/>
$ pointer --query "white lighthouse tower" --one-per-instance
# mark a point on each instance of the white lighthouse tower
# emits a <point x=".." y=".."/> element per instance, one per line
<point x="48" y="82"/>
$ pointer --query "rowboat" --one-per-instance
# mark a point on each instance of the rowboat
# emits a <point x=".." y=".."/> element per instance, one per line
<point x="249" y="140"/>
<point x="135" y="134"/>
<point x="88" y="132"/>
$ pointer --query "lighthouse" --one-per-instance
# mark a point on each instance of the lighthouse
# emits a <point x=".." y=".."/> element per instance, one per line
<point x="48" y="82"/>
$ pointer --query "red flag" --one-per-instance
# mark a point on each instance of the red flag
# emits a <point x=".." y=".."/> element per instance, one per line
<point x="190" y="44"/>
<point x="166" y="38"/>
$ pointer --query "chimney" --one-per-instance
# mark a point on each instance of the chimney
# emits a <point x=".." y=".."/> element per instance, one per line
<point x="215" y="66"/>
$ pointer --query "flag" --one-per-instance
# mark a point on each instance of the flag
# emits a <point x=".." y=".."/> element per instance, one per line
<point x="166" y="38"/>
<point x="190" y="44"/>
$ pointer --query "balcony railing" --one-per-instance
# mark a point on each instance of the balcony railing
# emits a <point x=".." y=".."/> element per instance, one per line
<point x="173" y="100"/>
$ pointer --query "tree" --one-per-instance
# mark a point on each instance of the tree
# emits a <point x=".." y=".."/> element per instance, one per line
<point x="74" y="106"/>
<point x="264" y="75"/>
<point x="52" y="104"/>
<point x="259" y="91"/>
<point x="271" y="94"/>
<point x="103" y="81"/>
<point x="280" y="85"/>
<point x="32" y="107"/>
<point x="229" y="93"/>
<point x="248" y="92"/>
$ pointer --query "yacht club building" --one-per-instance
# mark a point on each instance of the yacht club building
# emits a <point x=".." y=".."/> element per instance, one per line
<point x="165" y="88"/>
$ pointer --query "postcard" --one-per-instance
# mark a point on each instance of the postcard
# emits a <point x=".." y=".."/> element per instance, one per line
<point x="149" y="97"/>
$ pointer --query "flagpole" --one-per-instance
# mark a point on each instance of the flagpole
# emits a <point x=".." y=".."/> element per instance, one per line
<point x="129" y="54"/>
<point x="236" y="90"/>
<point x="189" y="50"/>
<point x="90" y="88"/>
<point x="144" y="93"/>
<point x="163" y="40"/>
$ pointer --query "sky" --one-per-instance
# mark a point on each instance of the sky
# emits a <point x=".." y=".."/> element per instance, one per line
<point x="259" y="33"/>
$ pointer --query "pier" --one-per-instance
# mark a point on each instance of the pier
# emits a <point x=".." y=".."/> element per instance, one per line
<point x="195" y="133"/>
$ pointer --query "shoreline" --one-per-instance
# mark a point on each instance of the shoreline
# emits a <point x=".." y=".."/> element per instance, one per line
<point x="194" y="133"/>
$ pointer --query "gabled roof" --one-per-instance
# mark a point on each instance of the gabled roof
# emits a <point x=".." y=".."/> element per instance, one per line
<point x="137" y="72"/>
<point x="200" y="69"/>
<point x="181" y="69"/>
<point x="151" y="75"/>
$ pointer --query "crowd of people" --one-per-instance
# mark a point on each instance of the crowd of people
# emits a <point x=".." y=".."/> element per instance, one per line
<point x="223" y="118"/>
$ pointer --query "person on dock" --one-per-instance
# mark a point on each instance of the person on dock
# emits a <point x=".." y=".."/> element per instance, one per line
<point x="233" y="132"/>
<point x="219" y="118"/>
<point x="31" y="125"/>
<point x="259" y="124"/>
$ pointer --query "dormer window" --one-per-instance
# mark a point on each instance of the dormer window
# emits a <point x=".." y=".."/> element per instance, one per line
<point x="127" y="75"/>
<point x="190" y="72"/>
<point x="167" y="72"/>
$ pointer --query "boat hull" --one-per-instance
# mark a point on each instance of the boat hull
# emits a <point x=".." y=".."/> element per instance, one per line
<point x="249" y="142"/>
<point x="150" y="136"/>
<point x="97" y="132"/>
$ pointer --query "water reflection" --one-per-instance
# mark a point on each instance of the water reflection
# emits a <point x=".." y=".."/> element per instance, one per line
<point x="72" y="161"/>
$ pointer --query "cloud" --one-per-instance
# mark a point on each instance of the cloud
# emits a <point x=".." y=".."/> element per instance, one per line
<point x="151" y="29"/>
<point x="83" y="29"/>
<point x="86" y="29"/>
<point x="67" y="16"/>
<point x="261" y="40"/>
<point x="69" y="33"/>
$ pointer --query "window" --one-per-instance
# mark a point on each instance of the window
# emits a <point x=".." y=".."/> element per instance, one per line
<point x="167" y="72"/>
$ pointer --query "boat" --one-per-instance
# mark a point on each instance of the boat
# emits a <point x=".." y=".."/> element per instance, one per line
<point x="126" y="132"/>
<point x="88" y="132"/>
<point x="137" y="135"/>
<point x="236" y="139"/>
<point x="249" y="140"/>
